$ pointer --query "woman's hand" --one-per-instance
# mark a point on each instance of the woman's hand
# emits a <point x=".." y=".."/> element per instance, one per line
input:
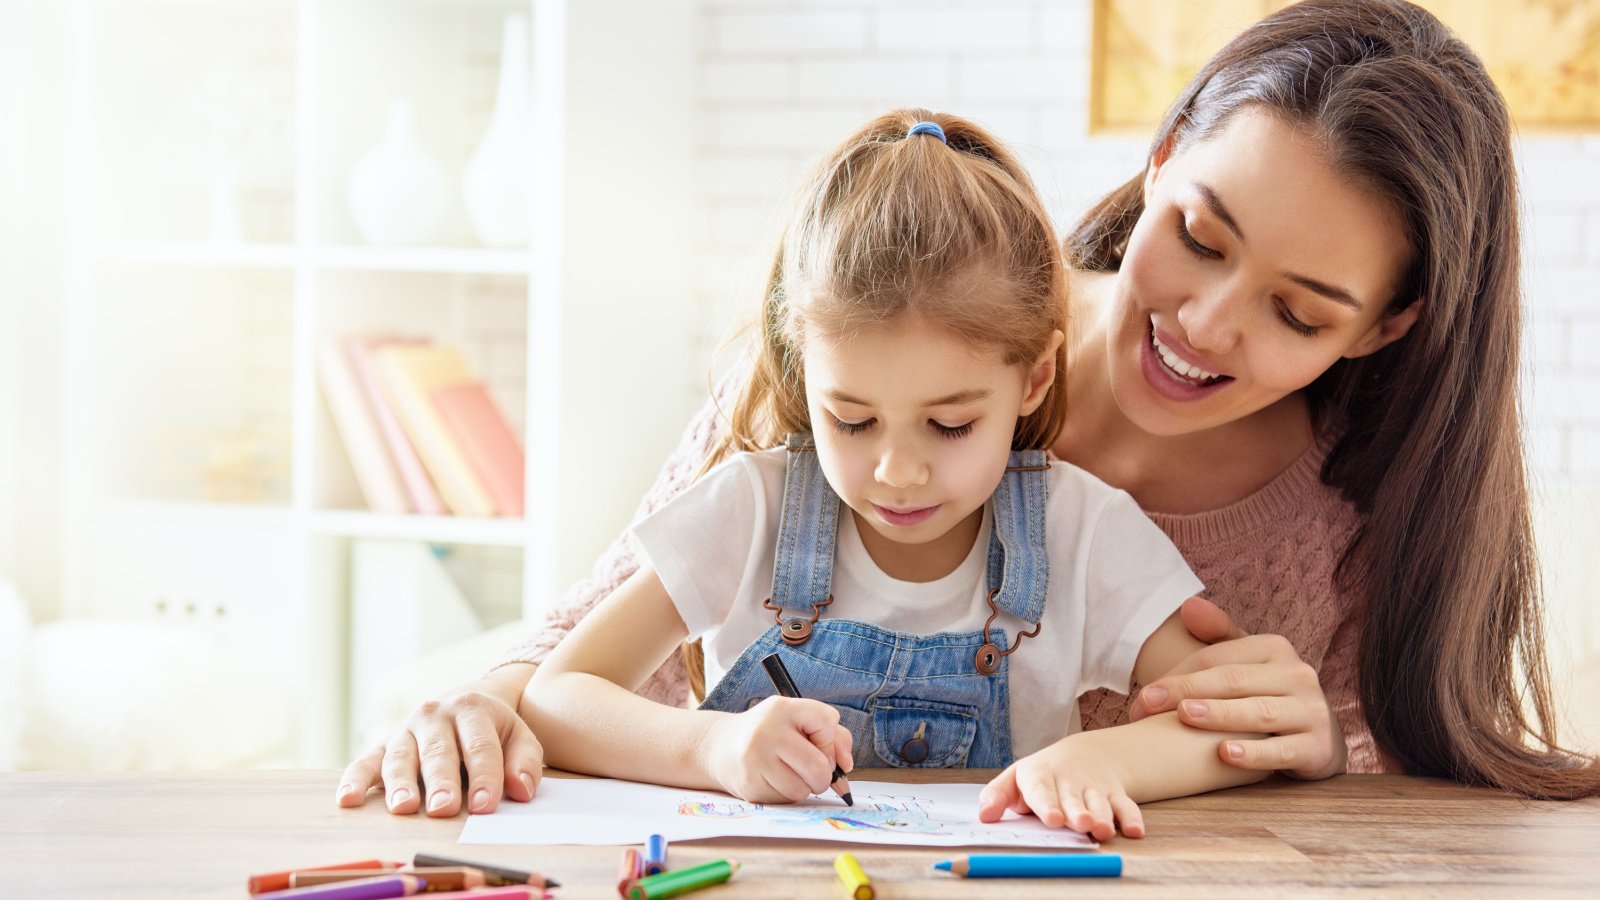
<point x="1074" y="783"/>
<point x="1249" y="683"/>
<point x="473" y="734"/>
<point x="782" y="750"/>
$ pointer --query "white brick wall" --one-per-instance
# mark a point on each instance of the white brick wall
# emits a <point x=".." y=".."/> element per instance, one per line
<point x="781" y="81"/>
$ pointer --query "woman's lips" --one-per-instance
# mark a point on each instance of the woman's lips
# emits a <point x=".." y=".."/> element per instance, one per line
<point x="905" y="518"/>
<point x="1168" y="383"/>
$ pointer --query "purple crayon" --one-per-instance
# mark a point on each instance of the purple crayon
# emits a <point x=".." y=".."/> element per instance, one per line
<point x="380" y="888"/>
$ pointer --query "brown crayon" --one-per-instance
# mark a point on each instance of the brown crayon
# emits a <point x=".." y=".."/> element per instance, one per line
<point x="434" y="879"/>
<point x="494" y="876"/>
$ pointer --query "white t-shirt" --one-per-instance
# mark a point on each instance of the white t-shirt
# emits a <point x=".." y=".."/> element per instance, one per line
<point x="1114" y="578"/>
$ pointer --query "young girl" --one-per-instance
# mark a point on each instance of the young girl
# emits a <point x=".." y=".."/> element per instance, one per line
<point x="939" y="590"/>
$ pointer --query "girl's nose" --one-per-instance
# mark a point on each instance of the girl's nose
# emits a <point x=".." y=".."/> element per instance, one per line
<point x="1210" y="319"/>
<point x="901" y="467"/>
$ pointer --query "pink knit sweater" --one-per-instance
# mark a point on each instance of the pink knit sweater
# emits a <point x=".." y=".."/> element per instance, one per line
<point x="1268" y="560"/>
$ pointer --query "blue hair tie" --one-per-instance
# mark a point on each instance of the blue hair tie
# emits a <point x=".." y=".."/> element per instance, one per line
<point x="927" y="128"/>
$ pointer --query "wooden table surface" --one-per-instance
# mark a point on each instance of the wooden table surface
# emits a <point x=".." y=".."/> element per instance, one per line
<point x="181" y="835"/>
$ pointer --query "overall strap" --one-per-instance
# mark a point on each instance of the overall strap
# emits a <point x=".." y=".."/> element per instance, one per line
<point x="808" y="533"/>
<point x="1019" y="561"/>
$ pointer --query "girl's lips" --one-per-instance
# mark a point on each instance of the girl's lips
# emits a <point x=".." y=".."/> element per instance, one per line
<point x="1168" y="383"/>
<point x="907" y="518"/>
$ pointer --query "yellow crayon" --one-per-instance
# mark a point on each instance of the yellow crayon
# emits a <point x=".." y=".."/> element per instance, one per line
<point x="852" y="878"/>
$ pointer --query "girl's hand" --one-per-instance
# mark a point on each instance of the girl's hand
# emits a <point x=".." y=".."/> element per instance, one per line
<point x="1073" y="784"/>
<point x="779" y="751"/>
<point x="1249" y="683"/>
<point x="475" y="728"/>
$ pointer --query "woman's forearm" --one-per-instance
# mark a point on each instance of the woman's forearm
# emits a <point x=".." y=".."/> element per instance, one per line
<point x="590" y="725"/>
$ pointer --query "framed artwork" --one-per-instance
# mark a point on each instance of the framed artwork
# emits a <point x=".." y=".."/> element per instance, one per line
<point x="1543" y="54"/>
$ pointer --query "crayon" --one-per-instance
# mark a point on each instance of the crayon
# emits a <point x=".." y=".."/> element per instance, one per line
<point x="1034" y="865"/>
<point x="494" y="876"/>
<point x="279" y="881"/>
<point x="783" y="684"/>
<point x="655" y="855"/>
<point x="632" y="870"/>
<point x="853" y="878"/>
<point x="383" y="887"/>
<point x="682" y="881"/>
<point x="513" y="892"/>
<point x="442" y="878"/>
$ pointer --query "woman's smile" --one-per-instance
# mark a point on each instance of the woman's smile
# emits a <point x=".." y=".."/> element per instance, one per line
<point x="1173" y="374"/>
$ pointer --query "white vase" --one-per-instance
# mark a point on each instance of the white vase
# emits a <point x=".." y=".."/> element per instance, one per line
<point x="397" y="193"/>
<point x="498" y="182"/>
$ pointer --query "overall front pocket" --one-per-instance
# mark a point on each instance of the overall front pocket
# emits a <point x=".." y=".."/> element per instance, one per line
<point x="923" y="734"/>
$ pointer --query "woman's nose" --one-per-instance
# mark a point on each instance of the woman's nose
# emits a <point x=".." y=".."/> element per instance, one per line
<point x="1211" y="319"/>
<point x="901" y="467"/>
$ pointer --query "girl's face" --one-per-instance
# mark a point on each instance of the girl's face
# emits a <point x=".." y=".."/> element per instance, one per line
<point x="1253" y="269"/>
<point x="913" y="425"/>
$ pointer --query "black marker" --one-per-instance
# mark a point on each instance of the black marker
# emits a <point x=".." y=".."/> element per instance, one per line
<point x="784" y="685"/>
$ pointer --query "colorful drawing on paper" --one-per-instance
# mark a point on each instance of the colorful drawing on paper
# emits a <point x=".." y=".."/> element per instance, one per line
<point x="607" y="811"/>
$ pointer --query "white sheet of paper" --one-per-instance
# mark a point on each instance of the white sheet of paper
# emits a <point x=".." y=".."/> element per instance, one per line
<point x="607" y="811"/>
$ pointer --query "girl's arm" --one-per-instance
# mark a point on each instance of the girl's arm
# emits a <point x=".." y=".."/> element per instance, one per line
<point x="1092" y="780"/>
<point x="590" y="720"/>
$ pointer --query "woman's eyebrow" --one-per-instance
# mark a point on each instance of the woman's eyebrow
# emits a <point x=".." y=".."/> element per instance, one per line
<point x="1332" y="292"/>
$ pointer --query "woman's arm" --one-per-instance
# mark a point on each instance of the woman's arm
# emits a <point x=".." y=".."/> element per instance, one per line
<point x="590" y="719"/>
<point x="1094" y="780"/>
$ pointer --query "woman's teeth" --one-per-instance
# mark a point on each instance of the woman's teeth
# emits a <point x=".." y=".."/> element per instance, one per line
<point x="1177" y="364"/>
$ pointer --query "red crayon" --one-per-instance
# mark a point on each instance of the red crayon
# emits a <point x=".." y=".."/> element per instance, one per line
<point x="279" y="881"/>
<point x="631" y="870"/>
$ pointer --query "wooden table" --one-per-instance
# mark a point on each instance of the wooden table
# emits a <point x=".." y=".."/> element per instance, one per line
<point x="175" y="835"/>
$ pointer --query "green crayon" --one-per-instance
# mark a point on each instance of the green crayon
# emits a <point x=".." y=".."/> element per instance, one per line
<point x="682" y="881"/>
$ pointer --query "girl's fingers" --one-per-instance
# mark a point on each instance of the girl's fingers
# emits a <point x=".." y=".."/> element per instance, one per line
<point x="1075" y="814"/>
<point x="1102" y="825"/>
<point x="1301" y="752"/>
<point x="1128" y="816"/>
<point x="1039" y="794"/>
<point x="844" y="748"/>
<point x="999" y="795"/>
<point x="359" y="777"/>
<point x="399" y="769"/>
<point x="811" y="766"/>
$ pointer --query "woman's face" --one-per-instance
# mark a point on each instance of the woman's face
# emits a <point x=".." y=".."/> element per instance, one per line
<point x="1254" y="268"/>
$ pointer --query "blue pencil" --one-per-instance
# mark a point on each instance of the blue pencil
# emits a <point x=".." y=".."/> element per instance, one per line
<point x="1034" y="865"/>
<point x="655" y="855"/>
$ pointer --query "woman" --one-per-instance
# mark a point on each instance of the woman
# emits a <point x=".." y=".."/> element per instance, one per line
<point x="1296" y="345"/>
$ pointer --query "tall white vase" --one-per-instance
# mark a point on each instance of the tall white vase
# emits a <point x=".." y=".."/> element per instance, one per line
<point x="498" y="182"/>
<point x="397" y="193"/>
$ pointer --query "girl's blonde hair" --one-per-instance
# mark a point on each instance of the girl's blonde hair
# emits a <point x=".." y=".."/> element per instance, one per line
<point x="889" y="225"/>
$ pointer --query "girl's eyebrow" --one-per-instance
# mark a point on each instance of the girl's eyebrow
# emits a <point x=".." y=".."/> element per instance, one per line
<point x="972" y="395"/>
<point x="1332" y="292"/>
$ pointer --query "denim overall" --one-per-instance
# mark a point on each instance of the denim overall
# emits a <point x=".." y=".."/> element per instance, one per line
<point x="909" y="700"/>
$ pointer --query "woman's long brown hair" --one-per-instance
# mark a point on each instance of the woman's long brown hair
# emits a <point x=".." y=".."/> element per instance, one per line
<point x="1452" y="651"/>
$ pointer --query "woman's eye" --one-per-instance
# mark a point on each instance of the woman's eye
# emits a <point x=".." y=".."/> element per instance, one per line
<point x="1298" y="326"/>
<point x="852" y="427"/>
<point x="1195" y="247"/>
<point x="951" y="431"/>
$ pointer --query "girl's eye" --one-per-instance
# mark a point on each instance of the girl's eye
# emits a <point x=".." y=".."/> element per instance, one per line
<point x="852" y="427"/>
<point x="951" y="431"/>
<point x="1195" y="247"/>
<point x="1298" y="326"/>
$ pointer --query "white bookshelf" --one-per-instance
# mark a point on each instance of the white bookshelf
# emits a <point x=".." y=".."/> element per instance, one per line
<point x="202" y="473"/>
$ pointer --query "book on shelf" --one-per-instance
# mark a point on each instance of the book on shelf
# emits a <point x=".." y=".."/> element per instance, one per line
<point x="409" y="374"/>
<point x="474" y="422"/>
<point x="419" y="487"/>
<point x="358" y="429"/>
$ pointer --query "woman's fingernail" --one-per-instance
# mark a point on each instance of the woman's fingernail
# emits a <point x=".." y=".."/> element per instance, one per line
<point x="1235" y="750"/>
<point x="438" y="801"/>
<point x="1195" y="709"/>
<point x="401" y="795"/>
<point x="1155" y="696"/>
<point x="480" y="800"/>
<point x="527" y="783"/>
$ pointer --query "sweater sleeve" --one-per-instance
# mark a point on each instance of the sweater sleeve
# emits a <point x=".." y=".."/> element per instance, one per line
<point x="669" y="684"/>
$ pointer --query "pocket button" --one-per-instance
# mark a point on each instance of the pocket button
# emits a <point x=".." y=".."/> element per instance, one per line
<point x="915" y="751"/>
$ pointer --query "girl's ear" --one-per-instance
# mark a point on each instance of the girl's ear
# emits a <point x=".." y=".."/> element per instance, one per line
<point x="1041" y="376"/>
<point x="1157" y="160"/>
<point x="1388" y="329"/>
